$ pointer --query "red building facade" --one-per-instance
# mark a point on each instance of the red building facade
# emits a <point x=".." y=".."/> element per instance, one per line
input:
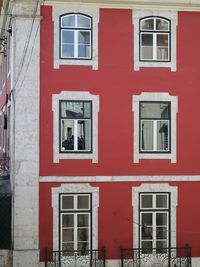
<point x="142" y="162"/>
<point x="102" y="138"/>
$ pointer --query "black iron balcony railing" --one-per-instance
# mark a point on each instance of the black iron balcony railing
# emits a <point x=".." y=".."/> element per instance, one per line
<point x="75" y="258"/>
<point x="165" y="257"/>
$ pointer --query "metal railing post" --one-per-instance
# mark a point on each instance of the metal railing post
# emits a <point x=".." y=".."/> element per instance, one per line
<point x="46" y="256"/>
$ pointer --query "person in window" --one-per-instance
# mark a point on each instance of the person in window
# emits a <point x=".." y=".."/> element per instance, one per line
<point x="68" y="144"/>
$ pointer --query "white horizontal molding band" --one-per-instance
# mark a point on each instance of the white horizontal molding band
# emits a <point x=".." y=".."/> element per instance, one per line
<point x="119" y="178"/>
<point x="187" y="5"/>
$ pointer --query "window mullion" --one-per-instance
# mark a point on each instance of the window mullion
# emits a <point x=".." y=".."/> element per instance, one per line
<point x="154" y="229"/>
<point x="75" y="135"/>
<point x="154" y="46"/>
<point x="76" y="43"/>
<point x="155" y="135"/>
<point x="75" y="231"/>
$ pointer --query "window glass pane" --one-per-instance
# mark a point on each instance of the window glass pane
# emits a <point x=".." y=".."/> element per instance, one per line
<point x="147" y="232"/>
<point x="147" y="46"/>
<point x="87" y="110"/>
<point x="68" y="248"/>
<point x="147" y="201"/>
<point x="147" y="39"/>
<point x="67" y="44"/>
<point x="67" y="51"/>
<point x="72" y="110"/>
<point x="161" y="201"/>
<point x="83" y="202"/>
<point x="84" y="51"/>
<point x="67" y="235"/>
<point x="67" y="202"/>
<point x="83" y="220"/>
<point x="84" y="135"/>
<point x="161" y="232"/>
<point x="83" y="246"/>
<point x="161" y="218"/>
<point x="162" y="24"/>
<point x="68" y="220"/>
<point x="68" y="21"/>
<point x="154" y="110"/>
<point x="82" y="234"/>
<point x="84" y="38"/>
<point x="147" y="247"/>
<point x="161" y="247"/>
<point x="67" y="131"/>
<point x="84" y="22"/>
<point x="147" y="135"/>
<point x="162" y="135"/>
<point x="147" y="219"/>
<point x="67" y="37"/>
<point x="162" y="46"/>
<point x="147" y="24"/>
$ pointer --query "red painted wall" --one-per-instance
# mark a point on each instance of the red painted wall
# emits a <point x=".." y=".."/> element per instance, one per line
<point x="115" y="216"/>
<point x="115" y="82"/>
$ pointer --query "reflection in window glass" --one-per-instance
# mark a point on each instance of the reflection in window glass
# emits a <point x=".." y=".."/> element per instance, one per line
<point x="75" y="125"/>
<point x="154" y="126"/>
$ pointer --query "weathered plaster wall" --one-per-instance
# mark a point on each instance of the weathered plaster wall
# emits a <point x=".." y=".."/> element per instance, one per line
<point x="25" y="134"/>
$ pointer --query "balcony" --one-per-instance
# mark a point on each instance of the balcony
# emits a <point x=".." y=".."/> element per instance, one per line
<point x="75" y="258"/>
<point x="165" y="257"/>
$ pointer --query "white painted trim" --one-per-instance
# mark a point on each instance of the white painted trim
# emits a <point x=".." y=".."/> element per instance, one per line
<point x="75" y="188"/>
<point x="135" y="108"/>
<point x="151" y="188"/>
<point x="187" y="5"/>
<point x="60" y="9"/>
<point x="75" y="95"/>
<point x="136" y="16"/>
<point x="114" y="179"/>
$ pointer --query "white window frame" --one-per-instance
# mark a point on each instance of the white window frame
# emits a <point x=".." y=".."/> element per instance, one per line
<point x="93" y="12"/>
<point x="137" y="16"/>
<point x="75" y="123"/>
<point x="154" y="210"/>
<point x="154" y="33"/>
<point x="77" y="96"/>
<point x="154" y="97"/>
<point x="155" y="131"/>
<point x="154" y="188"/>
<point x="75" y="214"/>
<point x="76" y="31"/>
<point x="72" y="189"/>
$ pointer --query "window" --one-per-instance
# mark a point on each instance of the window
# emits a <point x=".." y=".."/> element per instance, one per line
<point x="75" y="217"/>
<point x="75" y="36"/>
<point x="154" y="213"/>
<point x="75" y="125"/>
<point x="154" y="126"/>
<point x="154" y="222"/>
<point x="75" y="223"/>
<point x="154" y="39"/>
